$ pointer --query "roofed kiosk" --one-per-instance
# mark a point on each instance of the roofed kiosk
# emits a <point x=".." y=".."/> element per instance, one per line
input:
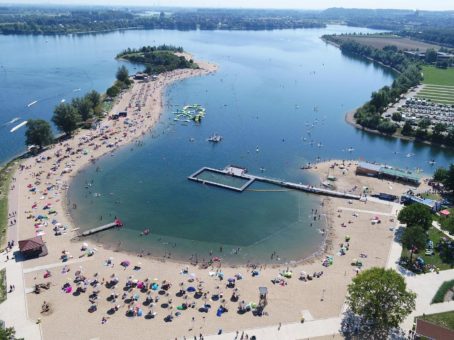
<point x="33" y="247"/>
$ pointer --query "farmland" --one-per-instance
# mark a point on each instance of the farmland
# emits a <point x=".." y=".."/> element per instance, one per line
<point x="379" y="41"/>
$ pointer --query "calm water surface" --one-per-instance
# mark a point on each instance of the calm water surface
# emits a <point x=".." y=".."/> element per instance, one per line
<point x="284" y="93"/>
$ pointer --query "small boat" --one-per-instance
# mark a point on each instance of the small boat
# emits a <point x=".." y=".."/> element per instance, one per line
<point x="257" y="149"/>
<point x="32" y="103"/>
<point x="215" y="138"/>
<point x="350" y="149"/>
<point x="410" y="155"/>
<point x="76" y="90"/>
<point x="63" y="100"/>
<point x="432" y="162"/>
<point x="18" y="126"/>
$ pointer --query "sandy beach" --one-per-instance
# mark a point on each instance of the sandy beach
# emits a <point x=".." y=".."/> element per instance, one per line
<point x="95" y="307"/>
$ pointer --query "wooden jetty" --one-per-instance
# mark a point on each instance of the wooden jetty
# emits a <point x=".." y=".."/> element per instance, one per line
<point x="115" y="224"/>
<point x="239" y="172"/>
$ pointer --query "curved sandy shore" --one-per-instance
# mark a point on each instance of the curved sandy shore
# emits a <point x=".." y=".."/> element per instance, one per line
<point x="69" y="317"/>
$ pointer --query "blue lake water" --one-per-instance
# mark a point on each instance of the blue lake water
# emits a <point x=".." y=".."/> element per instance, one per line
<point x="275" y="91"/>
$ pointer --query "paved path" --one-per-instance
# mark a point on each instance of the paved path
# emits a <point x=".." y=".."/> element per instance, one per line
<point x="308" y="329"/>
<point x="436" y="225"/>
<point x="426" y="285"/>
<point x="14" y="310"/>
<point x="366" y="211"/>
<point x="56" y="265"/>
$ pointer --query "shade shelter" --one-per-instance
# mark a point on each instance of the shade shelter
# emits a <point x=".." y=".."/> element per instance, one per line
<point x="33" y="247"/>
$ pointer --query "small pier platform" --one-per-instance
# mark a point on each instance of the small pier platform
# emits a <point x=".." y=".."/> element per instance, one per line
<point x="235" y="171"/>
<point x="228" y="171"/>
<point x="116" y="224"/>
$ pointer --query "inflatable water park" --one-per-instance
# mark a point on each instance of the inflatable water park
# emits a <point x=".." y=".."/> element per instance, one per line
<point x="194" y="112"/>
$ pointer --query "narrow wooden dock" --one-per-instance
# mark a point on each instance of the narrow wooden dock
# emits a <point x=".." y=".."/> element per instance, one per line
<point x="235" y="171"/>
<point x="116" y="224"/>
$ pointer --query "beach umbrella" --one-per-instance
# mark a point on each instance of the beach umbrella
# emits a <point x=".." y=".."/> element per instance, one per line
<point x="125" y="263"/>
<point x="231" y="279"/>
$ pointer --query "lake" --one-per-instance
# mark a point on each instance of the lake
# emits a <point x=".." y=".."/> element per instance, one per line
<point x="278" y="99"/>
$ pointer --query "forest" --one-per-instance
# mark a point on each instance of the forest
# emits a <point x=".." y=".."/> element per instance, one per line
<point x="62" y="20"/>
<point x="157" y="59"/>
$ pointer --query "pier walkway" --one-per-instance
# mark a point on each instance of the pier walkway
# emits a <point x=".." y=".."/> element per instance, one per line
<point x="116" y="224"/>
<point x="238" y="172"/>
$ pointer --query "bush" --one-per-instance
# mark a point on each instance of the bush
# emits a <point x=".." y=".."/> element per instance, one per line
<point x="441" y="292"/>
<point x="113" y="91"/>
<point x="397" y="117"/>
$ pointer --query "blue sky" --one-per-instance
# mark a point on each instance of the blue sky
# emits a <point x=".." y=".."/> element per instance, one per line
<point x="301" y="4"/>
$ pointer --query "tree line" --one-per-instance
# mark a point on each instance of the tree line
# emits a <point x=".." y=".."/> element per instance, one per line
<point x="158" y="59"/>
<point x="369" y="115"/>
<point x="68" y="117"/>
<point x="99" y="20"/>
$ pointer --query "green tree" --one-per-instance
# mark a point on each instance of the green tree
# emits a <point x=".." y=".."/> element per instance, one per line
<point x="437" y="132"/>
<point x="84" y="107"/>
<point x="421" y="134"/>
<point x="407" y="129"/>
<point x="440" y="175"/>
<point x="95" y="98"/>
<point x="122" y="74"/>
<point x="38" y="133"/>
<point x="397" y="116"/>
<point x="8" y="333"/>
<point x="424" y="123"/>
<point x="446" y="253"/>
<point x="66" y="118"/>
<point x="113" y="91"/>
<point x="449" y="181"/>
<point x="416" y="215"/>
<point x="380" y="298"/>
<point x="414" y="237"/>
<point x="448" y="225"/>
<point x="431" y="56"/>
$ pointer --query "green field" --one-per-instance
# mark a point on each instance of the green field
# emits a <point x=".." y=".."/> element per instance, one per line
<point x="3" y="292"/>
<point x="5" y="179"/>
<point x="438" y="85"/>
<point x="438" y="76"/>
<point x="435" y="235"/>
<point x="442" y="319"/>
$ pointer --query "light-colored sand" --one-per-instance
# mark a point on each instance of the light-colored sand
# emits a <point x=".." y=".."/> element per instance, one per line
<point x="69" y="317"/>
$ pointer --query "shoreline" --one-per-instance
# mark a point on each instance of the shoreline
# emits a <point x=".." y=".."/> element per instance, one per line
<point x="350" y="120"/>
<point x="286" y="301"/>
<point x="46" y="177"/>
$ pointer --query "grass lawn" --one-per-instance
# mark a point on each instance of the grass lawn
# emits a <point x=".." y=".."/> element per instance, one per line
<point x="442" y="291"/>
<point x="434" y="235"/>
<point x="436" y="197"/>
<point x="442" y="319"/>
<point x="5" y="179"/>
<point x="3" y="292"/>
<point x="438" y="76"/>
